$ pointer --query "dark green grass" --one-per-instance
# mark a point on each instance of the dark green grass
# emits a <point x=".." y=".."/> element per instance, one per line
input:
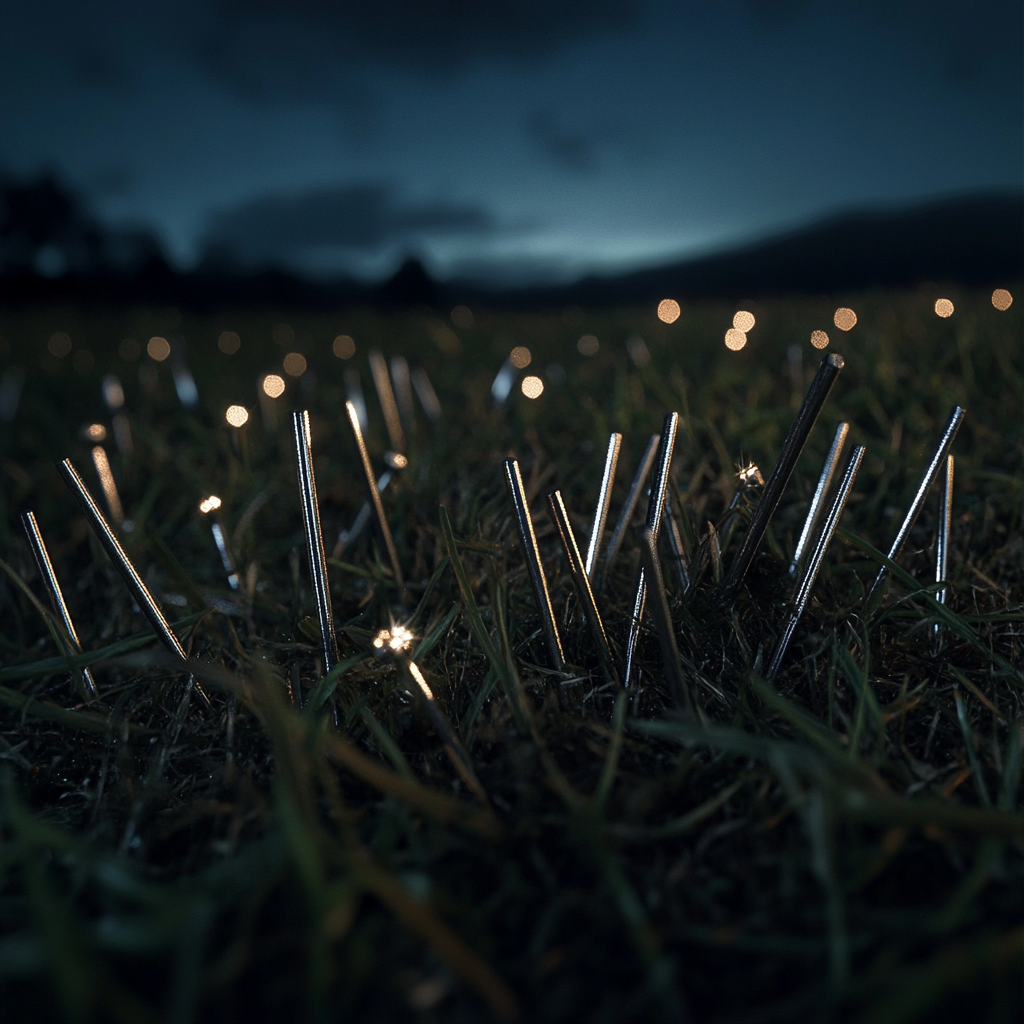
<point x="844" y="845"/>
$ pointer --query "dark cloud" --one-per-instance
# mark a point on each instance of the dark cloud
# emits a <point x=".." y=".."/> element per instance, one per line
<point x="358" y="219"/>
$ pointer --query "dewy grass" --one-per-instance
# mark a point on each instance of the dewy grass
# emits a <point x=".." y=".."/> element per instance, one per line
<point x="845" y="843"/>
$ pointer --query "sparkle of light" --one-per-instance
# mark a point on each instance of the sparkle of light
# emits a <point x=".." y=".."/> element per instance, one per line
<point x="520" y="357"/>
<point x="396" y="639"/>
<point x="96" y="432"/>
<point x="943" y="308"/>
<point x="209" y="504"/>
<point x="1002" y="299"/>
<point x="229" y="342"/>
<point x="158" y="348"/>
<point x="734" y="339"/>
<point x="344" y="347"/>
<point x="295" y="364"/>
<point x="273" y="385"/>
<point x="59" y="344"/>
<point x="237" y="415"/>
<point x="532" y="387"/>
<point x="819" y="339"/>
<point x="398" y="460"/>
<point x="588" y="345"/>
<point x="750" y="475"/>
<point x="743" y="321"/>
<point x="668" y="311"/>
<point x="845" y="319"/>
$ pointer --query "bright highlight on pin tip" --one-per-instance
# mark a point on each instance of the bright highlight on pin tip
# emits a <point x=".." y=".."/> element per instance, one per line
<point x="520" y="357"/>
<point x="668" y="311"/>
<point x="532" y="387"/>
<point x="734" y="339"/>
<point x="943" y="308"/>
<point x="273" y="385"/>
<point x="209" y="504"/>
<point x="237" y="415"/>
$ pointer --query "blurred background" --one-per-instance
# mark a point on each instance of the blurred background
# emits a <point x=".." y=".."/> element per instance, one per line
<point x="162" y="150"/>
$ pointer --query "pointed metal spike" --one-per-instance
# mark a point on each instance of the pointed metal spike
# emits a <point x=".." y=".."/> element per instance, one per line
<point x="942" y="540"/>
<point x="817" y="502"/>
<point x="611" y="460"/>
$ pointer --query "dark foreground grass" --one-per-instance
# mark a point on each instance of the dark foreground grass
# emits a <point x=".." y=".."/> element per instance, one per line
<point x="843" y="845"/>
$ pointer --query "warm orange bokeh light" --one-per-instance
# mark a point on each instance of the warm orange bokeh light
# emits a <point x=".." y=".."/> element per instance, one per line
<point x="819" y="339"/>
<point x="845" y="319"/>
<point x="668" y="311"/>
<point x="210" y="504"/>
<point x="943" y="308"/>
<point x="734" y="339"/>
<point x="532" y="387"/>
<point x="743" y="321"/>
<point x="229" y="342"/>
<point x="1002" y="299"/>
<point x="96" y="432"/>
<point x="295" y="364"/>
<point x="158" y="349"/>
<point x="588" y="345"/>
<point x="273" y="385"/>
<point x="237" y="415"/>
<point x="520" y="357"/>
<point x="344" y="347"/>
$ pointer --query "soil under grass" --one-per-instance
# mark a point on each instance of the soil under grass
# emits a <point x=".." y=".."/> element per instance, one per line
<point x="846" y="843"/>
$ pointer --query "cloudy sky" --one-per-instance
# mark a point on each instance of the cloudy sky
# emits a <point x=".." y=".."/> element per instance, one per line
<point x="512" y="138"/>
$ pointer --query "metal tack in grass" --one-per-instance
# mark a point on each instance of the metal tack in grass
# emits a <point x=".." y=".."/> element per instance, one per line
<point x="611" y="460"/>
<point x="817" y="502"/>
<point x="942" y="539"/>
<point x="211" y="507"/>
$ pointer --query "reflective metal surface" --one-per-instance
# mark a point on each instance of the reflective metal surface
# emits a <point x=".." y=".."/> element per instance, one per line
<point x="817" y="502"/>
<point x="611" y="460"/>
<point x="663" y="622"/>
<point x="626" y="515"/>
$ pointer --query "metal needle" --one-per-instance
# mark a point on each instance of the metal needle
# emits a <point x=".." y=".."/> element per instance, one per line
<point x="517" y="495"/>
<point x="803" y="591"/>
<point x="948" y="436"/>
<point x="403" y="393"/>
<point x="378" y="505"/>
<point x="824" y="482"/>
<point x="581" y="581"/>
<point x="45" y="566"/>
<point x="611" y="460"/>
<point x="314" y="537"/>
<point x="382" y="382"/>
<point x="815" y="398"/>
<point x="626" y="515"/>
<point x="942" y="541"/>
<point x="655" y="509"/>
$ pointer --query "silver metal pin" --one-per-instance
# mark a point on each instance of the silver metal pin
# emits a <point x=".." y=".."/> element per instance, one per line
<point x="211" y="506"/>
<point x="936" y="465"/>
<point x="378" y="505"/>
<point x="626" y="515"/>
<point x="314" y="537"/>
<point x="426" y="394"/>
<point x="382" y="382"/>
<point x="655" y="509"/>
<point x="50" y="581"/>
<point x="106" y="475"/>
<point x="403" y="394"/>
<point x="611" y="460"/>
<point x="806" y="585"/>
<point x="531" y="551"/>
<point x="824" y="482"/>
<point x="354" y="393"/>
<point x="942" y="540"/>
<point x="581" y="581"/>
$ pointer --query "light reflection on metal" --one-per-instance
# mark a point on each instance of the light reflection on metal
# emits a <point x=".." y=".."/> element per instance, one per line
<point x="50" y="581"/>
<point x="806" y="585"/>
<point x="108" y="539"/>
<point x="655" y="510"/>
<point x="531" y="552"/>
<point x="378" y="505"/>
<point x="942" y="540"/>
<point x="426" y="394"/>
<point x="581" y="582"/>
<point x="817" y="502"/>
<point x="382" y="382"/>
<point x="209" y="504"/>
<point x="626" y="515"/>
<point x="663" y="622"/>
<point x="933" y="470"/>
<point x="403" y="393"/>
<point x="103" y="471"/>
<point x="395" y="460"/>
<point x="206" y="506"/>
<point x="815" y="398"/>
<point x="354" y="394"/>
<point x="604" y="494"/>
<point x="314" y="537"/>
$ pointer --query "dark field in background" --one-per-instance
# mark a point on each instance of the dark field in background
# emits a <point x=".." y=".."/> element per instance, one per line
<point x="844" y="846"/>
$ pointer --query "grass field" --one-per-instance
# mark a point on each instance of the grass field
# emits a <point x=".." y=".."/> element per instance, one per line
<point x="844" y="844"/>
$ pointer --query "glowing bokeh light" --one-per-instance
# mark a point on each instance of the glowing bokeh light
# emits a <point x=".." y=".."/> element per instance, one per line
<point x="1002" y="299"/>
<point x="344" y="347"/>
<point x="943" y="308"/>
<point x="520" y="357"/>
<point x="229" y="342"/>
<point x="462" y="316"/>
<point x="397" y="460"/>
<point x="210" y="504"/>
<point x="96" y="432"/>
<point x="158" y="348"/>
<point x="273" y="385"/>
<point x="532" y="387"/>
<point x="396" y="639"/>
<point x="668" y="311"/>
<point x="588" y="345"/>
<point x="237" y="415"/>
<point x="638" y="351"/>
<point x="59" y="344"/>
<point x="734" y="339"/>
<point x="845" y="319"/>
<point x="819" y="339"/>
<point x="743" y="321"/>
<point x="295" y="364"/>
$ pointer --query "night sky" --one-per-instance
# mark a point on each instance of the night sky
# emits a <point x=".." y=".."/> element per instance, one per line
<point x="514" y="141"/>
